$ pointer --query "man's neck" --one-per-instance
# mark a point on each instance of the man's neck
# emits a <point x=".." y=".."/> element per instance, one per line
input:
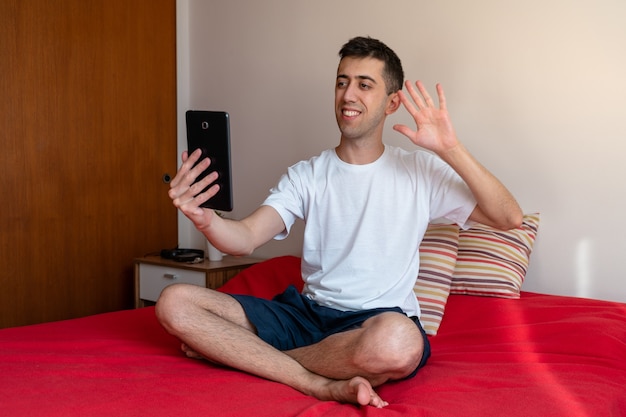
<point x="359" y="152"/>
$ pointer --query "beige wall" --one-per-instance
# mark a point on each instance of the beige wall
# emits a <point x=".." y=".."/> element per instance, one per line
<point x="537" y="91"/>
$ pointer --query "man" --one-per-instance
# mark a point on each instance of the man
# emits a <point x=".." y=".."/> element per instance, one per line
<point x="366" y="207"/>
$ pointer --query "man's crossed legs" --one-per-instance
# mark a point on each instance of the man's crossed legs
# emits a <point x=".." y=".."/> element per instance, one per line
<point x="344" y="366"/>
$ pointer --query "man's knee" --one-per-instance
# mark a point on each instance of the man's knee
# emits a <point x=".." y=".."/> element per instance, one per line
<point x="394" y="343"/>
<point x="169" y="306"/>
<point x="181" y="306"/>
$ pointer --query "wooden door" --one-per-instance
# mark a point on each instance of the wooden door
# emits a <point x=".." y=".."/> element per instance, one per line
<point x="88" y="129"/>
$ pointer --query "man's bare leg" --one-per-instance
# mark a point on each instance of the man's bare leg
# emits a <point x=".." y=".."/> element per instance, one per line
<point x="387" y="347"/>
<point x="357" y="352"/>
<point x="195" y="315"/>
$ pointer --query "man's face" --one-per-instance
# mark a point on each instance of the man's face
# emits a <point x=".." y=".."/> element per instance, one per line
<point x="361" y="99"/>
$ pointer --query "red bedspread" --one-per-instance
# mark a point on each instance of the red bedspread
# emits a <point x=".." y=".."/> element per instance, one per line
<point x="538" y="356"/>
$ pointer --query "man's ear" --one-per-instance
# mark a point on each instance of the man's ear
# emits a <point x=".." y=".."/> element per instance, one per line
<point x="393" y="103"/>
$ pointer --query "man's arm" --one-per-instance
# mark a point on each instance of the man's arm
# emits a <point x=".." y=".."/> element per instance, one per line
<point x="230" y="236"/>
<point x="496" y="206"/>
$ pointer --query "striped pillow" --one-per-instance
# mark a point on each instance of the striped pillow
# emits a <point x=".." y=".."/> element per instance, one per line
<point x="438" y="252"/>
<point x="493" y="262"/>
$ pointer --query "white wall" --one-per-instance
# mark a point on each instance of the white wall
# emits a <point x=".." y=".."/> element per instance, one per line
<point x="537" y="91"/>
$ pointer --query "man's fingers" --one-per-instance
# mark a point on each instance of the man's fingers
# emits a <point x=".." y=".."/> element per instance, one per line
<point x="192" y="205"/>
<point x="408" y="105"/>
<point x="185" y="202"/>
<point x="414" y="94"/>
<point x="442" y="97"/>
<point x="188" y="173"/>
<point x="421" y="96"/>
<point x="405" y="130"/>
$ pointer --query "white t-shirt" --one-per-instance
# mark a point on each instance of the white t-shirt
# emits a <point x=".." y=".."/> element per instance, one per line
<point x="364" y="223"/>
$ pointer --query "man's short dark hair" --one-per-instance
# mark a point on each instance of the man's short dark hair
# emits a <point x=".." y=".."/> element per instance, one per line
<point x="366" y="47"/>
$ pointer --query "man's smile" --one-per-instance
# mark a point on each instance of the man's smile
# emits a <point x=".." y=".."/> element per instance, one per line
<point x="350" y="113"/>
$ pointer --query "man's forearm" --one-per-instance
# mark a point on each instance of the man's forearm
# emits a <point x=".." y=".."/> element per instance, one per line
<point x="497" y="206"/>
<point x="242" y="237"/>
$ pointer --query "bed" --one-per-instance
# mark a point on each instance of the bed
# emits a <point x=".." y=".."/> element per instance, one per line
<point x="525" y="355"/>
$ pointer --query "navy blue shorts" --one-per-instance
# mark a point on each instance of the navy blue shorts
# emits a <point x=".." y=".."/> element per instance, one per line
<point x="291" y="320"/>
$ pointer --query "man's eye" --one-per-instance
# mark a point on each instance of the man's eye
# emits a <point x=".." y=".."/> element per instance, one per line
<point x="365" y="86"/>
<point x="341" y="84"/>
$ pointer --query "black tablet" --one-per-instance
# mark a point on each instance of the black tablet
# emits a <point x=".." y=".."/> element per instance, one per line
<point x="210" y="131"/>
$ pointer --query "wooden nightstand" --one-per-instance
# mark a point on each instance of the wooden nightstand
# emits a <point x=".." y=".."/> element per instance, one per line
<point x="153" y="273"/>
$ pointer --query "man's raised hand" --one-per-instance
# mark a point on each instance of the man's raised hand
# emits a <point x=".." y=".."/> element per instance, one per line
<point x="434" y="130"/>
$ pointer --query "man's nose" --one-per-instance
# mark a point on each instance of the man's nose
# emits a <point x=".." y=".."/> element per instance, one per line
<point x="350" y="94"/>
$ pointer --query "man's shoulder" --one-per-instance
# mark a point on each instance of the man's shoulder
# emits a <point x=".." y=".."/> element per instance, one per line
<point x="323" y="158"/>
<point x="415" y="155"/>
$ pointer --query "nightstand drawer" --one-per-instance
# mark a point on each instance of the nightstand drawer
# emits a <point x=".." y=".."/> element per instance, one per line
<point x="153" y="273"/>
<point x="153" y="278"/>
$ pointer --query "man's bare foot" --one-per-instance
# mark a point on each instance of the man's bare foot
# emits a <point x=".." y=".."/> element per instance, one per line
<point x="190" y="352"/>
<point x="355" y="391"/>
